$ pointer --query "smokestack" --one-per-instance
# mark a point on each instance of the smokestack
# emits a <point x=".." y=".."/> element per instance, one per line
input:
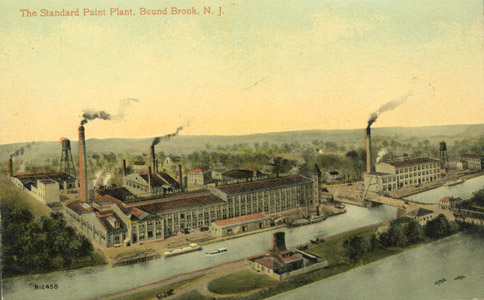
<point x="124" y="168"/>
<point x="149" y="179"/>
<point x="82" y="165"/>
<point x="153" y="159"/>
<point x="10" y="167"/>
<point x="180" y="177"/>
<point x="369" y="167"/>
<point x="278" y="243"/>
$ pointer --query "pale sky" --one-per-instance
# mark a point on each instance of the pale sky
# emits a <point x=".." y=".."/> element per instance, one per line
<point x="263" y="66"/>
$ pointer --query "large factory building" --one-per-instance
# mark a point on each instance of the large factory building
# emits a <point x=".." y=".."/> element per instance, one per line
<point x="402" y="172"/>
<point x="143" y="219"/>
<point x="398" y="172"/>
<point x="117" y="216"/>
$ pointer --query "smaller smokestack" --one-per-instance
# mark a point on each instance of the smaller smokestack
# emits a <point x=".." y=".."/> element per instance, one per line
<point x="124" y="168"/>
<point x="153" y="159"/>
<point x="180" y="177"/>
<point x="149" y="179"/>
<point x="10" y="167"/>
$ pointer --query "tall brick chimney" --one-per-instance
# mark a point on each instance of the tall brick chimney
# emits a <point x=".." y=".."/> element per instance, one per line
<point x="82" y="165"/>
<point x="124" y="168"/>
<point x="153" y="159"/>
<point x="369" y="167"/>
<point x="180" y="177"/>
<point x="149" y="179"/>
<point x="10" y="167"/>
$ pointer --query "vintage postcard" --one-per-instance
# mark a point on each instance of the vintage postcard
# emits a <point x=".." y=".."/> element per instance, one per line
<point x="226" y="149"/>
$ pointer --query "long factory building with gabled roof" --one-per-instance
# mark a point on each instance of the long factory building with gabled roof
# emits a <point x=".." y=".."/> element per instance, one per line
<point x="112" y="220"/>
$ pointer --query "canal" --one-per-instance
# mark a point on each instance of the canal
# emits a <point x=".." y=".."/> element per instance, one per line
<point x="94" y="282"/>
<point x="463" y="190"/>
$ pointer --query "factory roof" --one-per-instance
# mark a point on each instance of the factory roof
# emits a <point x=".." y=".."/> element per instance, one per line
<point x="412" y="161"/>
<point x="241" y="220"/>
<point x="29" y="179"/>
<point x="44" y="175"/>
<point x="476" y="156"/>
<point x="78" y="208"/>
<point x="268" y="262"/>
<point x="120" y="192"/>
<point x="198" y="170"/>
<point x="167" y="178"/>
<point x="444" y="200"/>
<point x="239" y="174"/>
<point x="155" y="180"/>
<point x="263" y="184"/>
<point x="178" y="202"/>
<point x="108" y="219"/>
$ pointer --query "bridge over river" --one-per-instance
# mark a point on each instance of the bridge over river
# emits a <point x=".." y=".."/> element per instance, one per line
<point x="351" y="195"/>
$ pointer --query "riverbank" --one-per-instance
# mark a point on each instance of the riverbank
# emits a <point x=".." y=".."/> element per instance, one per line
<point x="410" y="191"/>
<point x="332" y="249"/>
<point x="206" y="275"/>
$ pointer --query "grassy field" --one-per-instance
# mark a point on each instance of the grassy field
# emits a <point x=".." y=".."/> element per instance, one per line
<point x="11" y="196"/>
<point x="239" y="282"/>
<point x="332" y="248"/>
<point x="151" y="293"/>
<point x="193" y="295"/>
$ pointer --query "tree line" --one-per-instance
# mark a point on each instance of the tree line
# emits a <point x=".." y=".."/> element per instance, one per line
<point x="31" y="246"/>
<point x="401" y="233"/>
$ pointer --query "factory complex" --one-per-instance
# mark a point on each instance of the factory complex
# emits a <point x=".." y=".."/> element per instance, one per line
<point x="153" y="206"/>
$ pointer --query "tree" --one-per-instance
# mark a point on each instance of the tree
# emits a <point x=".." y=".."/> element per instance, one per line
<point x="355" y="248"/>
<point x="395" y="236"/>
<point x="375" y="243"/>
<point x="438" y="227"/>
<point x="414" y="232"/>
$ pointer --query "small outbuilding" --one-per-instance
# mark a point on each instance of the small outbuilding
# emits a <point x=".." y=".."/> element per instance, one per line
<point x="232" y="226"/>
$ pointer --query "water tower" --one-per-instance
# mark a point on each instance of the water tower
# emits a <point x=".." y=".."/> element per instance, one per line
<point x="67" y="163"/>
<point x="444" y="160"/>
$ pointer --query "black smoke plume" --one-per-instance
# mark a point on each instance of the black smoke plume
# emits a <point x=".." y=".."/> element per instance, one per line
<point x="157" y="139"/>
<point x="387" y="107"/>
<point x="20" y="151"/>
<point x="89" y="115"/>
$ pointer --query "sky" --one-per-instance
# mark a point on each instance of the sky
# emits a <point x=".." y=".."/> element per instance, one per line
<point x="261" y="66"/>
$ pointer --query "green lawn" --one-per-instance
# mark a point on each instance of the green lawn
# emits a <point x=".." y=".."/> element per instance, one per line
<point x="193" y="295"/>
<point x="332" y="248"/>
<point x="239" y="282"/>
<point x="151" y="293"/>
<point x="12" y="196"/>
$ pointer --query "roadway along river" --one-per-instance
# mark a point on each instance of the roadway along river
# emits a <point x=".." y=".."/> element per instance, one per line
<point x="90" y="283"/>
<point x="463" y="190"/>
<point x="410" y="275"/>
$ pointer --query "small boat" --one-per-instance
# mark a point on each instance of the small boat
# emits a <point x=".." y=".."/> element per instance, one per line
<point x="218" y="251"/>
<point x="192" y="247"/>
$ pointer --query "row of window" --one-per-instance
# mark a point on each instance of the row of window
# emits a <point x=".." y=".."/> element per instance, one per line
<point x="416" y="168"/>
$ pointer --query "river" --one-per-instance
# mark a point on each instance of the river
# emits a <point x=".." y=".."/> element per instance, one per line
<point x="410" y="275"/>
<point x="463" y="190"/>
<point x="94" y="282"/>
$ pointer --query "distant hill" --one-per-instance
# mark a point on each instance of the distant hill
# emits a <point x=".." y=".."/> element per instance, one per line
<point x="351" y="138"/>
